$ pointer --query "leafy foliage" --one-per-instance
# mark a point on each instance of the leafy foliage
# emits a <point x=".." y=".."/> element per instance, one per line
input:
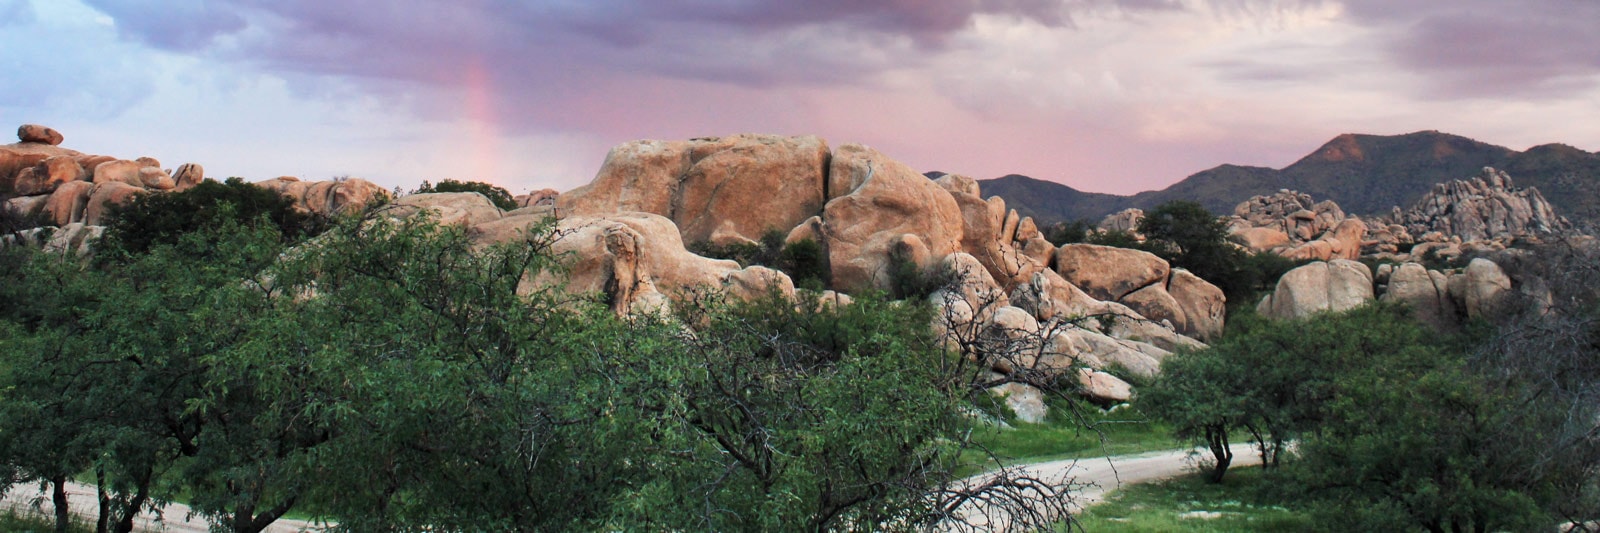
<point x="496" y="194"/>
<point x="803" y="260"/>
<point x="149" y="220"/>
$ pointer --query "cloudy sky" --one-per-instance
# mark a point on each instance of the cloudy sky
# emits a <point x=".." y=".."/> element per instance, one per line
<point x="1103" y="95"/>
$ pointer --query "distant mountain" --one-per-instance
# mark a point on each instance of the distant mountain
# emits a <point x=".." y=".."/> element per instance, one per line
<point x="1365" y="174"/>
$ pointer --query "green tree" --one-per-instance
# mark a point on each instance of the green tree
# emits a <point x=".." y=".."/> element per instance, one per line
<point x="496" y="194"/>
<point x="109" y="372"/>
<point x="148" y="220"/>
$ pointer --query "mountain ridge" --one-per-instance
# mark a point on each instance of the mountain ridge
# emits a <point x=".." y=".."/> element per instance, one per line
<point x="1366" y="174"/>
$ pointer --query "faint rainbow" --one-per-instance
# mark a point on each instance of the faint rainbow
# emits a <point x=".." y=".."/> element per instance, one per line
<point x="483" y="122"/>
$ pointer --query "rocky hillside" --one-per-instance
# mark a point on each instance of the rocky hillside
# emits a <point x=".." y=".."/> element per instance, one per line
<point x="1032" y="312"/>
<point x="1367" y="174"/>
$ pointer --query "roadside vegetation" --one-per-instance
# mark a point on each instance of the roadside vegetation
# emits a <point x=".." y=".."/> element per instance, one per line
<point x="390" y="375"/>
<point x="1246" y="502"/>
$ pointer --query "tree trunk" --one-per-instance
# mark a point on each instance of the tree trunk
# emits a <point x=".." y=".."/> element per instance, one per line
<point x="1217" y="437"/>
<point x="103" y="523"/>
<point x="58" y="496"/>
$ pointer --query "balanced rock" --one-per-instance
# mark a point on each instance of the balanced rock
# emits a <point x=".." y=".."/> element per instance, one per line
<point x="34" y="133"/>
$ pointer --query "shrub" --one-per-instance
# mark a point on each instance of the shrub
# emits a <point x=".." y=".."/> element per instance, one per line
<point x="151" y="219"/>
<point x="499" y="196"/>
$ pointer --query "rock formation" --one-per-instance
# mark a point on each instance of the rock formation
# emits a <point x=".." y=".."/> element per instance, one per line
<point x="1486" y="207"/>
<point x="727" y="189"/>
<point x="64" y="187"/>
<point x="1023" y="307"/>
<point x="1319" y="287"/>
<point x="1291" y="224"/>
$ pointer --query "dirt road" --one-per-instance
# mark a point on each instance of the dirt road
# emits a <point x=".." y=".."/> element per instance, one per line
<point x="81" y="501"/>
<point x="1101" y="475"/>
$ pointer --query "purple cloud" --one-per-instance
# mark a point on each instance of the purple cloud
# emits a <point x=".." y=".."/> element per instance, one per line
<point x="1490" y="48"/>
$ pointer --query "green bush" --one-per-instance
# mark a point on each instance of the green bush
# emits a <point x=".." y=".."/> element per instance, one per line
<point x="499" y="196"/>
<point x="149" y="220"/>
<point x="803" y="260"/>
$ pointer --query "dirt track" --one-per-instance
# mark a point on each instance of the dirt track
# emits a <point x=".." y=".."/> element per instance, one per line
<point x="81" y="501"/>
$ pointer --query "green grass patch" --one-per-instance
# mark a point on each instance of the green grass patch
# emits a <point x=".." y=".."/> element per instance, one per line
<point x="1073" y="430"/>
<point x="23" y="521"/>
<point x="1243" y="502"/>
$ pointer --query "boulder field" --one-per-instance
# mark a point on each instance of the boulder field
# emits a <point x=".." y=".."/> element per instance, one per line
<point x="1021" y="306"/>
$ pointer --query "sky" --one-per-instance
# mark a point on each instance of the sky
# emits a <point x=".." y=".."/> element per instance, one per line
<point x="1113" y="96"/>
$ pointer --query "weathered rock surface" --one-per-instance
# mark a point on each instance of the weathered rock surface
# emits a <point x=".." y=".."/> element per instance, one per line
<point x="1426" y="292"/>
<point x="1336" y="285"/>
<point x="635" y="261"/>
<point x="67" y="204"/>
<point x="1125" y="220"/>
<point x="448" y="208"/>
<point x="341" y="196"/>
<point x="885" y="200"/>
<point x="119" y="171"/>
<point x="1480" y="289"/>
<point x="738" y="187"/>
<point x="1109" y="273"/>
<point x="188" y="175"/>
<point x="104" y="196"/>
<point x="1204" y="306"/>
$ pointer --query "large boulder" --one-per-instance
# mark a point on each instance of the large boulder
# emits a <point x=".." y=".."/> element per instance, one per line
<point x="1204" y="306"/>
<point x="66" y="205"/>
<point x="13" y="161"/>
<point x="1426" y="292"/>
<point x="728" y="189"/>
<point x="104" y="196"/>
<point x="26" y="205"/>
<point x="1336" y="285"/>
<point x="1109" y="273"/>
<point x="634" y="261"/>
<point x="886" y="200"/>
<point x="34" y="133"/>
<point x="47" y="175"/>
<point x="448" y="208"/>
<point x="1480" y="290"/>
<point x="188" y="175"/>
<point x="119" y="171"/>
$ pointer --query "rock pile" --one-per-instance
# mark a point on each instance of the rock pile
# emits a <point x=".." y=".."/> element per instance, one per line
<point x="1443" y="299"/>
<point x="70" y="189"/>
<point x="63" y="186"/>
<point x="868" y="212"/>
<point x="1488" y="209"/>
<point x="1290" y="224"/>
<point x="1027" y="308"/>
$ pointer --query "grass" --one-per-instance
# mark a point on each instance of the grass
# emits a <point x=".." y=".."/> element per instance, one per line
<point x="17" y="521"/>
<point x="1243" y="502"/>
<point x="1073" y="430"/>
